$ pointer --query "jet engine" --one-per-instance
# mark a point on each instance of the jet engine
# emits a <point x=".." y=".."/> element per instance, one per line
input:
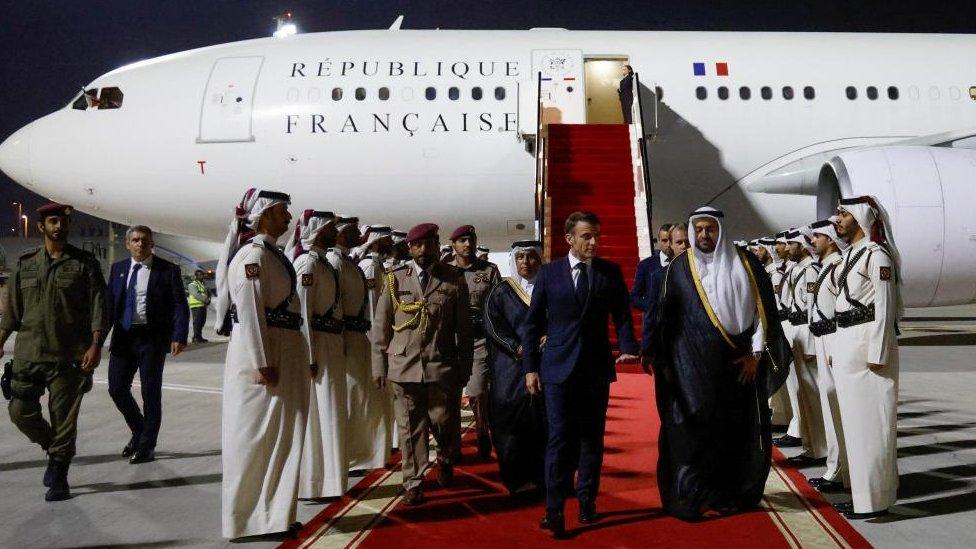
<point x="929" y="194"/>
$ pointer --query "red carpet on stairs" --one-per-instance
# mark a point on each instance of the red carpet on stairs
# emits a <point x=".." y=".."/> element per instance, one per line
<point x="589" y="167"/>
<point x="477" y="511"/>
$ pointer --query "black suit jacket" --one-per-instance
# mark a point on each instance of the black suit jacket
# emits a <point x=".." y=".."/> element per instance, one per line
<point x="577" y="336"/>
<point x="167" y="312"/>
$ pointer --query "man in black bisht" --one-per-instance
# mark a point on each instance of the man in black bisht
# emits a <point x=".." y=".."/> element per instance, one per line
<point x="713" y="352"/>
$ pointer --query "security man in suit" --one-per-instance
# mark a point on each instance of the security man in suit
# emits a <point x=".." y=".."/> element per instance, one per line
<point x="573" y="300"/>
<point x="421" y="343"/>
<point x="57" y="306"/>
<point x="648" y="266"/>
<point x="625" y="91"/>
<point x="148" y="317"/>
<point x="480" y="276"/>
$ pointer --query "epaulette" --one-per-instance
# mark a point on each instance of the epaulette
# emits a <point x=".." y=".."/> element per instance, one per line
<point x="396" y="268"/>
<point x="29" y="252"/>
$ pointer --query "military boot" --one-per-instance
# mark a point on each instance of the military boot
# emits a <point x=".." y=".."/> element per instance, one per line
<point x="49" y="472"/>
<point x="59" y="490"/>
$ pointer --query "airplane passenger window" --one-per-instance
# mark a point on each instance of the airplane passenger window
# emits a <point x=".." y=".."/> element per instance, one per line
<point x="766" y="92"/>
<point x="336" y="94"/>
<point x="851" y="93"/>
<point x="659" y="92"/>
<point x="453" y="93"/>
<point x="723" y="93"/>
<point x="701" y="93"/>
<point x="431" y="93"/>
<point x="892" y="93"/>
<point x="476" y="93"/>
<point x="872" y="93"/>
<point x="110" y="98"/>
<point x="499" y="93"/>
<point x="384" y="94"/>
<point x="360" y="94"/>
<point x="745" y="93"/>
<point x="89" y="96"/>
<point x="972" y="92"/>
<point x="787" y="92"/>
<point x="809" y="93"/>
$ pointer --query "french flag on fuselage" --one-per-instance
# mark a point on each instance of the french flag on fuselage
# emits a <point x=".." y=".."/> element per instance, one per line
<point x="721" y="68"/>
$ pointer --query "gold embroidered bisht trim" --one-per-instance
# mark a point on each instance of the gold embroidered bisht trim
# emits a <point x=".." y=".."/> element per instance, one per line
<point x="693" y="265"/>
<point x="418" y="309"/>
<point x="519" y="291"/>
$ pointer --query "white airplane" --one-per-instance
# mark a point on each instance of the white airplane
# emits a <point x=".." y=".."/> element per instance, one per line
<point x="401" y="126"/>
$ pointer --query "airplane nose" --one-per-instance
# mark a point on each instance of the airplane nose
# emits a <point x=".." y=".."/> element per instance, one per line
<point x="15" y="156"/>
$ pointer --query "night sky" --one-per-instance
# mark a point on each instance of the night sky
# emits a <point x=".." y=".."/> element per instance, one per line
<point x="50" y="49"/>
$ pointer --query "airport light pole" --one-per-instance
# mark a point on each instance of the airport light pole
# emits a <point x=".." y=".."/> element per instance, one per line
<point x="20" y="213"/>
<point x="23" y="221"/>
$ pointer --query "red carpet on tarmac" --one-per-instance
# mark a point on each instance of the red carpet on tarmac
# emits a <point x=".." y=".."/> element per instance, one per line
<point x="477" y="511"/>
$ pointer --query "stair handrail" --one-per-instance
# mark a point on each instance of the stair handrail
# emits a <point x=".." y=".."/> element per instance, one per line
<point x="540" y="167"/>
<point x="637" y="117"/>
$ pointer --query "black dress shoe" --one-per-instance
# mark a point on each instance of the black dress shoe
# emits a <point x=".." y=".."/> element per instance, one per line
<point x="555" y="523"/>
<point x="414" y="496"/>
<point x="59" y="490"/>
<point x="484" y="446"/>
<point x="851" y="515"/>
<point x="779" y="428"/>
<point x="804" y="460"/>
<point x="143" y="456"/>
<point x="824" y="485"/>
<point x="787" y="441"/>
<point x="587" y="514"/>
<point x="129" y="449"/>
<point x="847" y="506"/>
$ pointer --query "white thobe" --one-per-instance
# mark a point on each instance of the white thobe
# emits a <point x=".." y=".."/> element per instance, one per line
<point x="800" y="282"/>
<point x="374" y="270"/>
<point x="263" y="426"/>
<point x="869" y="398"/>
<point x="779" y="402"/>
<point x="821" y="308"/>
<point x="792" y="382"/>
<point x="325" y="466"/>
<point x="368" y="434"/>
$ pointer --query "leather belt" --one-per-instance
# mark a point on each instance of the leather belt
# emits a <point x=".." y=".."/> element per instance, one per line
<point x="855" y="316"/>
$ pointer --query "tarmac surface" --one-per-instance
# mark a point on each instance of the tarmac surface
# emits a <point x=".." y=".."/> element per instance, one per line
<point x="175" y="500"/>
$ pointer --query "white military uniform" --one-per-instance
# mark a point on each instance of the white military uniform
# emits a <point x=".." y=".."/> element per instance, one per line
<point x="779" y="402"/>
<point x="801" y="281"/>
<point x="369" y="436"/>
<point x="374" y="270"/>
<point x="869" y="399"/>
<point x="325" y="465"/>
<point x="263" y="426"/>
<point x="792" y="383"/>
<point x="822" y="311"/>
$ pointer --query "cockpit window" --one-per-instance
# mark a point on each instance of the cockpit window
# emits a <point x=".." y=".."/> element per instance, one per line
<point x="111" y="98"/>
<point x="85" y="100"/>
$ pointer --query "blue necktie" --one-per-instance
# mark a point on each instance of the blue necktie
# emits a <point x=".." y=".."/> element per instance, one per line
<point x="582" y="284"/>
<point x="423" y="281"/>
<point x="130" y="298"/>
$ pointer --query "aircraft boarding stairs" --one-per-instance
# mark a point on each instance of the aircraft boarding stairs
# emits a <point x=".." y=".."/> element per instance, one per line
<point x="600" y="168"/>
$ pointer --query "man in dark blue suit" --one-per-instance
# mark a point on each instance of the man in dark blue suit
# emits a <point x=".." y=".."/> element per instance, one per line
<point x="573" y="300"/>
<point x="148" y="315"/>
<point x="639" y="295"/>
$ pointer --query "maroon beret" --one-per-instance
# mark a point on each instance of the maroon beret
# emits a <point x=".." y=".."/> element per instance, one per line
<point x="421" y="232"/>
<point x="463" y="230"/>
<point x="53" y="208"/>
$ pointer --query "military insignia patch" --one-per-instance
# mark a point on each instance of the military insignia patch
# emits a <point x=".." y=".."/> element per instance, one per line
<point x="252" y="270"/>
<point x="810" y="286"/>
<point x="885" y="273"/>
<point x="481" y="278"/>
<point x="307" y="279"/>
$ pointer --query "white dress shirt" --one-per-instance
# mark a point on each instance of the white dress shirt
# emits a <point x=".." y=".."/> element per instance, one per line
<point x="142" y="286"/>
<point x="664" y="259"/>
<point x="573" y="262"/>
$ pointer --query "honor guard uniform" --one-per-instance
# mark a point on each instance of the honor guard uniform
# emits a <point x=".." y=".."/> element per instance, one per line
<point x="480" y="276"/>
<point x="785" y="297"/>
<point x="400" y="254"/>
<point x="483" y="253"/>
<point x="823" y="327"/>
<point x="325" y="465"/>
<point x="376" y="250"/>
<point x="266" y="373"/>
<point x="421" y="345"/>
<point x="800" y="283"/>
<point x="370" y="438"/>
<point x="57" y="307"/>
<point x="779" y="402"/>
<point x="865" y="358"/>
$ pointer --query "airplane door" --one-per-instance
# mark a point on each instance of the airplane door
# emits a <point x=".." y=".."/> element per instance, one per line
<point x="228" y="101"/>
<point x="563" y="96"/>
